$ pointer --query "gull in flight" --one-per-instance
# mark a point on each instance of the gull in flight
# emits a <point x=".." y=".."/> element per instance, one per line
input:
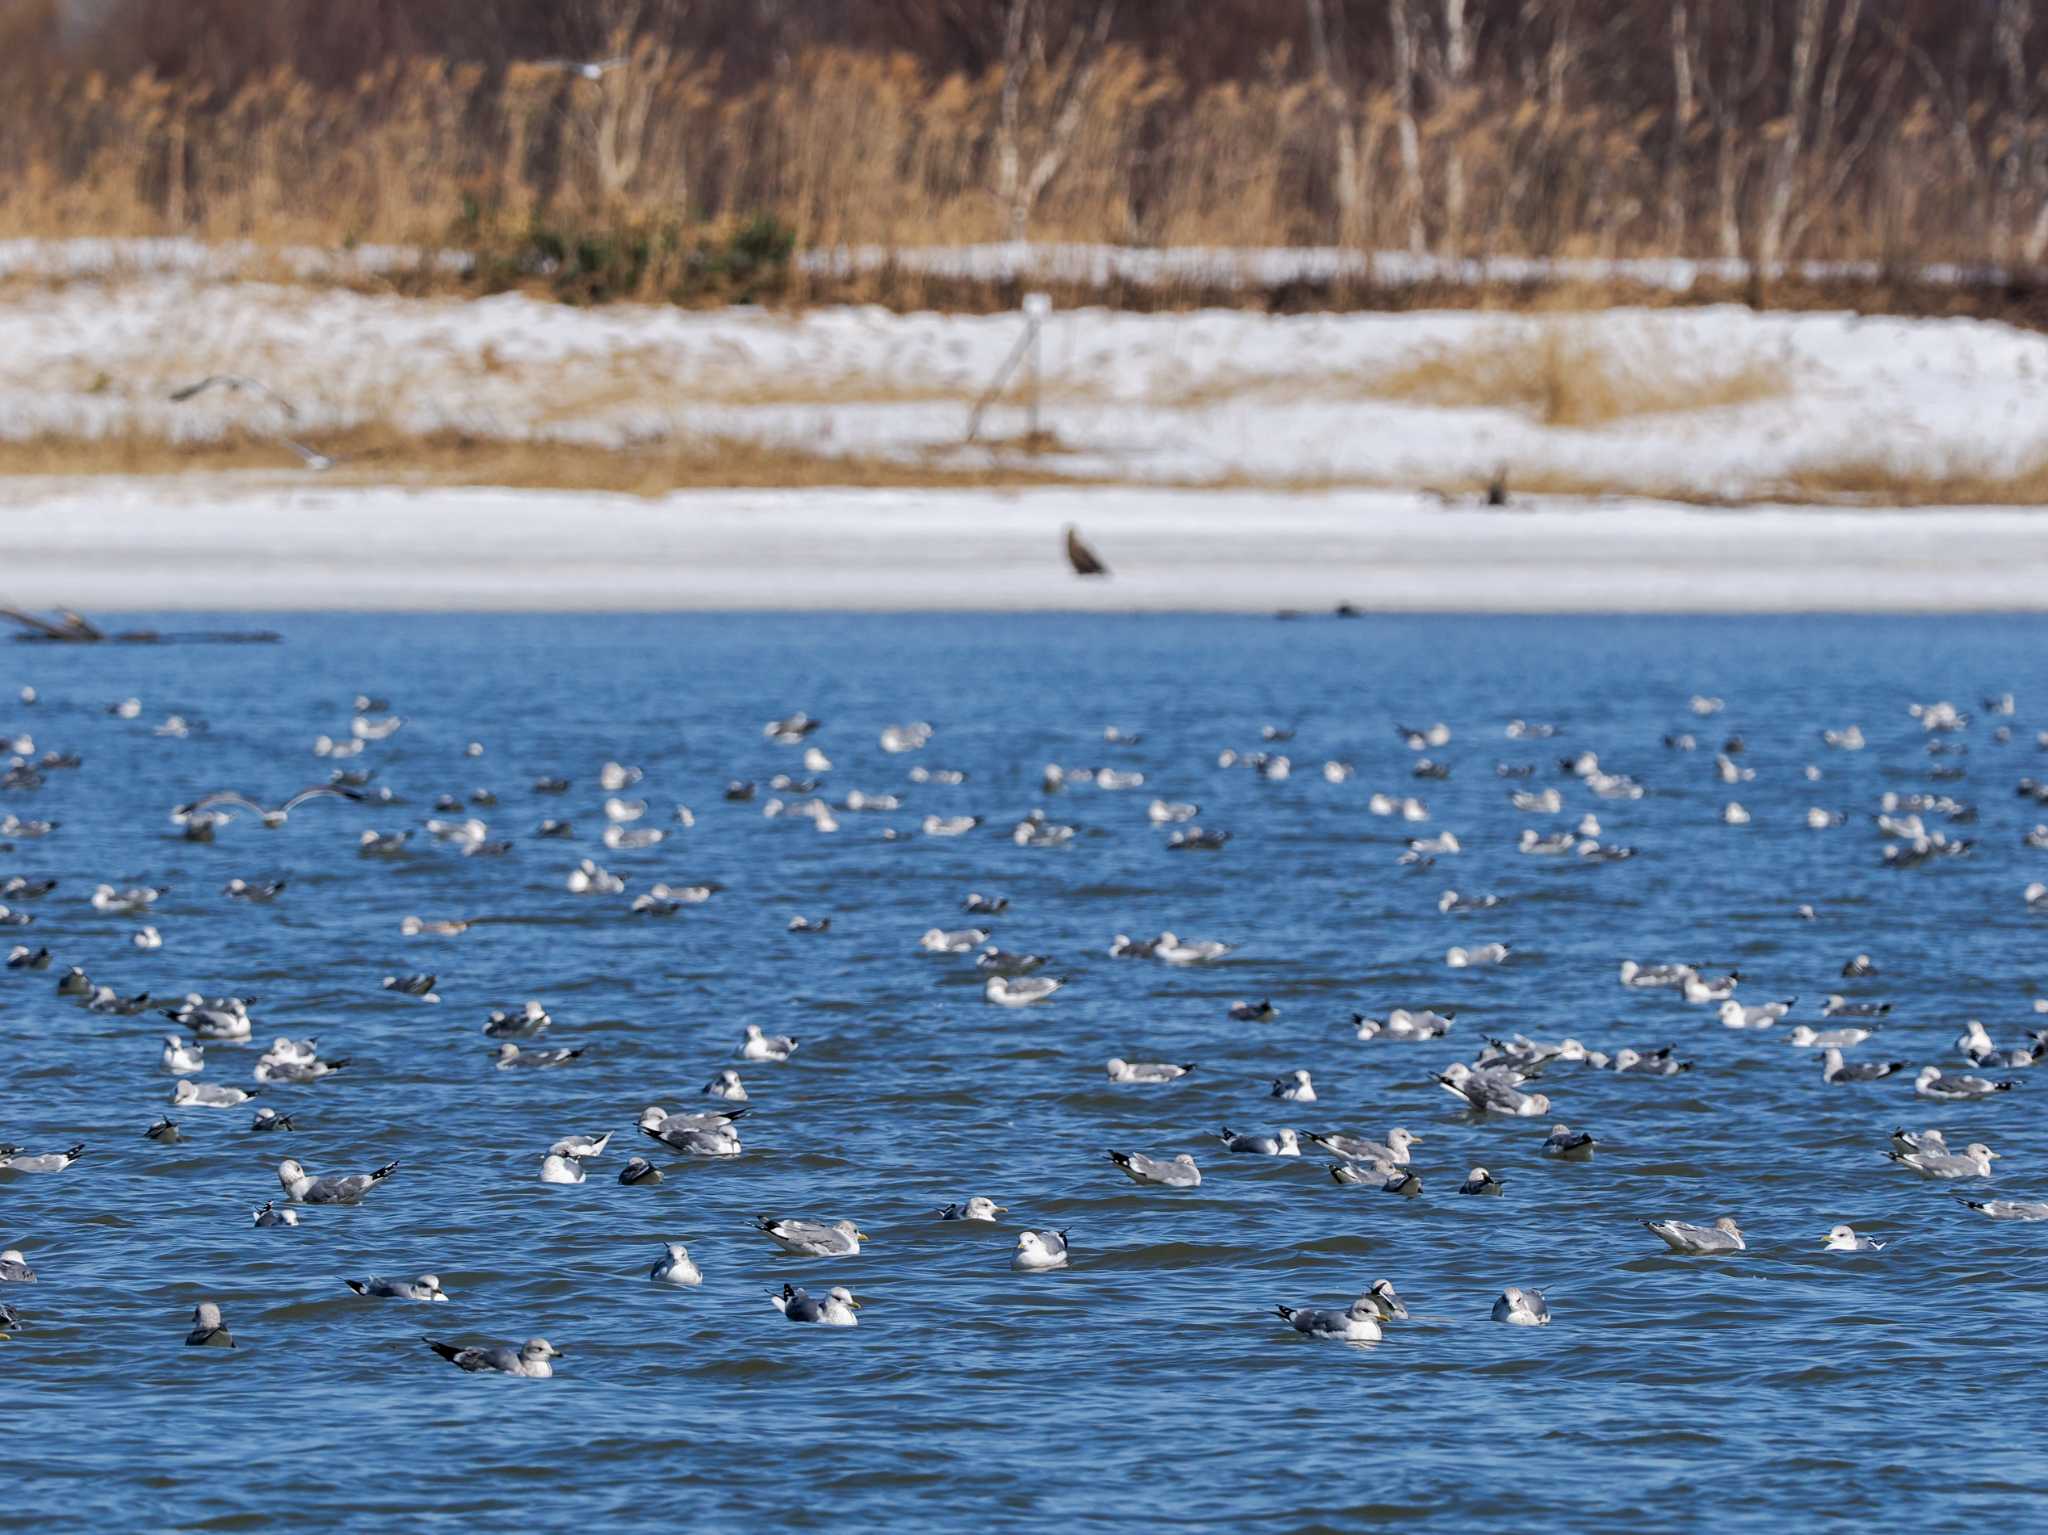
<point x="583" y="69"/>
<point x="272" y="816"/>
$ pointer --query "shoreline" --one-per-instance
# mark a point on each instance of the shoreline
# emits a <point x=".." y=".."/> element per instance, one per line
<point x="274" y="544"/>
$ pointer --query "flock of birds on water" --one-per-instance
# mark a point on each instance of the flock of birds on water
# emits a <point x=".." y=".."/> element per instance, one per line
<point x="1507" y="1078"/>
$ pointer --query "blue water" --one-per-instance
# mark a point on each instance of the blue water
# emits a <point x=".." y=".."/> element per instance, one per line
<point x="1149" y="1385"/>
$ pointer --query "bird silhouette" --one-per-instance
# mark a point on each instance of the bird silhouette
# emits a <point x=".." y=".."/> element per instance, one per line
<point x="1084" y="560"/>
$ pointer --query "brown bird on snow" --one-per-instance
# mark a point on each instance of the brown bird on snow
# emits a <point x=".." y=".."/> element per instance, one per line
<point x="1084" y="560"/>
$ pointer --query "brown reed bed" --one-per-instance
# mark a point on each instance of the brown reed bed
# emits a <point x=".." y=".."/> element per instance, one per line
<point x="386" y="455"/>
<point x="665" y="181"/>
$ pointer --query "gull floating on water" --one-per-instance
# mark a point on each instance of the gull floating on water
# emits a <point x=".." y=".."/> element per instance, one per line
<point x="14" y="1268"/>
<point x="555" y="1168"/>
<point x="1357" y="1323"/>
<point x="960" y="940"/>
<point x="766" y="1047"/>
<point x="835" y="1310"/>
<point x="1040" y="1250"/>
<point x="530" y="1360"/>
<point x="1295" y="1087"/>
<point x="1522" y="1308"/>
<point x="1402" y="1024"/>
<point x="1179" y="1173"/>
<point x="2010" y="1209"/>
<point x="1569" y="1145"/>
<point x="676" y="1267"/>
<point x="813" y="1239"/>
<point x="336" y="1189"/>
<point x="1724" y="1236"/>
<point x="427" y="1287"/>
<point x="1123" y="1071"/>
<point x="978" y="1208"/>
<point x="208" y="1330"/>
<point x="1835" y="1069"/>
<point x="1934" y="1083"/>
<point x="1973" y="1162"/>
<point x="207" y="1095"/>
<point x="1282" y="1143"/>
<point x="511" y="1057"/>
<point x="692" y="1134"/>
<point x="270" y="1215"/>
<point x="727" y="1085"/>
<point x="1021" y="992"/>
<point x="1392" y="1153"/>
<point x="1843" y="1239"/>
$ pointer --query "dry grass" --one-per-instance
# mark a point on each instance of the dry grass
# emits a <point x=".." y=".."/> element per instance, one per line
<point x="1562" y="377"/>
<point x="379" y="455"/>
<point x="665" y="181"/>
<point x="1873" y="482"/>
<point x="382" y="456"/>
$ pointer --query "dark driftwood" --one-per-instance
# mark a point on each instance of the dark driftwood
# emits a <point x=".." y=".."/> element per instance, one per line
<point x="72" y="629"/>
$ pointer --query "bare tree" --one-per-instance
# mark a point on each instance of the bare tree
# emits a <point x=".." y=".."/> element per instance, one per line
<point x="1789" y="130"/>
<point x="1403" y="22"/>
<point x="1454" y="73"/>
<point x="1684" y="110"/>
<point x="1044" y="97"/>
<point x="1336" y="103"/>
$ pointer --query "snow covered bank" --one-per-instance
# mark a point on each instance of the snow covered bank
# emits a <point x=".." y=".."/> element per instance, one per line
<point x="281" y="542"/>
<point x="1710" y="403"/>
